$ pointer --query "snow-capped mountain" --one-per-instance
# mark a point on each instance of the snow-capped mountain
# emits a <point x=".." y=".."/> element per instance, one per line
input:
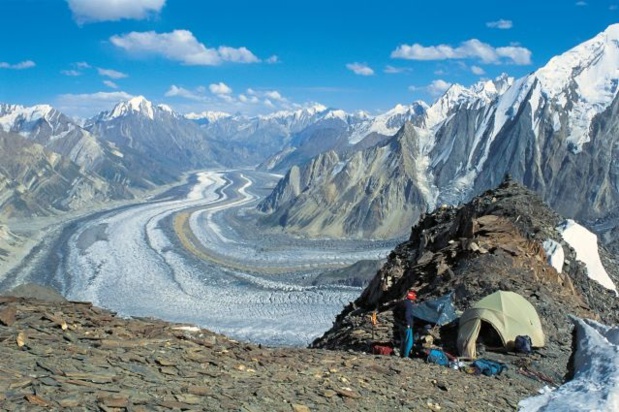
<point x="342" y="132"/>
<point x="161" y="141"/>
<point x="388" y="123"/>
<point x="555" y="130"/>
<point x="207" y="117"/>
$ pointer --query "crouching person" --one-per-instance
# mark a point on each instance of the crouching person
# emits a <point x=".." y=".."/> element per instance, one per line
<point x="403" y="314"/>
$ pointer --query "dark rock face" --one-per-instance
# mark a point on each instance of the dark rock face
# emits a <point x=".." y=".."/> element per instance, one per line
<point x="492" y="243"/>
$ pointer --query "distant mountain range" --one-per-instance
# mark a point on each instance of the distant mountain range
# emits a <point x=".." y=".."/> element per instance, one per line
<point x="348" y="174"/>
<point x="555" y="130"/>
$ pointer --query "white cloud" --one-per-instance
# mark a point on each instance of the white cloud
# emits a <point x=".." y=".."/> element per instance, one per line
<point x="112" y="74"/>
<point x="272" y="60"/>
<point x="219" y="88"/>
<point x="86" y="11"/>
<point x="500" y="24"/>
<point x="86" y="105"/>
<point x="470" y="49"/>
<point x="436" y="88"/>
<point x="478" y="70"/>
<point x="110" y="84"/>
<point x="274" y="95"/>
<point x="517" y="54"/>
<point x="396" y="70"/>
<point x="27" y="64"/>
<point x="220" y="97"/>
<point x="82" y="65"/>
<point x="582" y="3"/>
<point x="72" y="73"/>
<point x="182" y="46"/>
<point x="361" y="69"/>
<point x="175" y="91"/>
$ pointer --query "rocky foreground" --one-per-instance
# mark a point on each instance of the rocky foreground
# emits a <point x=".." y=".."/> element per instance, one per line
<point x="59" y="355"/>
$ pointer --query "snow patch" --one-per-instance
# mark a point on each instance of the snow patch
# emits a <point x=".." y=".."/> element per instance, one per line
<point x="585" y="244"/>
<point x="595" y="386"/>
<point x="555" y="253"/>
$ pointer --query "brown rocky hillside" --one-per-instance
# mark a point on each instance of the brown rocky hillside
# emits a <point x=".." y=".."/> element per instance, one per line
<point x="492" y="243"/>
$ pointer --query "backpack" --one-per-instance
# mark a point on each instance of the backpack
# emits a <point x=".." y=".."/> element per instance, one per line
<point x="488" y="367"/>
<point x="437" y="356"/>
<point x="522" y="344"/>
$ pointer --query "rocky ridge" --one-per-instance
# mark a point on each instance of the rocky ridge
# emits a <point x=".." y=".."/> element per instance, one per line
<point x="493" y="243"/>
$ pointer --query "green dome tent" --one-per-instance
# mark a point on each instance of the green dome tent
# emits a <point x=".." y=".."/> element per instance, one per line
<point x="508" y="313"/>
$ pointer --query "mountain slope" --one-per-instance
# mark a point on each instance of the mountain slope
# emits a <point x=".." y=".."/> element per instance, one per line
<point x="162" y="142"/>
<point x="554" y="131"/>
<point x="36" y="181"/>
<point x="369" y="193"/>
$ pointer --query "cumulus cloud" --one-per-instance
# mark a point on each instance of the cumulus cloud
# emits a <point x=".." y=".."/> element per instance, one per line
<point x="219" y="88"/>
<point x="86" y="105"/>
<point x="88" y="11"/>
<point x="272" y="60"/>
<point x="478" y="70"/>
<point x="182" y="46"/>
<point x="436" y="88"/>
<point x="500" y="24"/>
<point x="470" y="49"/>
<point x="220" y="97"/>
<point x="27" y="64"/>
<point x="582" y="3"/>
<point x="112" y="74"/>
<point x="176" y="91"/>
<point x="274" y="95"/>
<point x="361" y="69"/>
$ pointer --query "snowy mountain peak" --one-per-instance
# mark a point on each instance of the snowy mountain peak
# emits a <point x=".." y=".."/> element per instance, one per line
<point x="584" y="81"/>
<point x="14" y="117"/>
<point x="208" y="116"/>
<point x="165" y="108"/>
<point x="297" y="114"/>
<point x="138" y="104"/>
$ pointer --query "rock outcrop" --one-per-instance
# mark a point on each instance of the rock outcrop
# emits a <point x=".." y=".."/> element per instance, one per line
<point x="493" y="243"/>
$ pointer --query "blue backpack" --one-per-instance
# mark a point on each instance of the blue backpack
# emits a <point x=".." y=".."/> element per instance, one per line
<point x="437" y="356"/>
<point x="488" y="367"/>
<point x="522" y="344"/>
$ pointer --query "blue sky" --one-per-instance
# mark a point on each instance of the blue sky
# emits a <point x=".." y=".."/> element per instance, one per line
<point x="83" y="56"/>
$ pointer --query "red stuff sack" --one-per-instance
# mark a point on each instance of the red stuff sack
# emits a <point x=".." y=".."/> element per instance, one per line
<point x="379" y="348"/>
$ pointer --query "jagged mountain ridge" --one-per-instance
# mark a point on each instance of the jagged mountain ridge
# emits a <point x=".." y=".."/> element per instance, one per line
<point x="138" y="145"/>
<point x="472" y="137"/>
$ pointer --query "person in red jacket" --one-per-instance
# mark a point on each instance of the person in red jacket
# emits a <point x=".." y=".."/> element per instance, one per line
<point x="404" y="317"/>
